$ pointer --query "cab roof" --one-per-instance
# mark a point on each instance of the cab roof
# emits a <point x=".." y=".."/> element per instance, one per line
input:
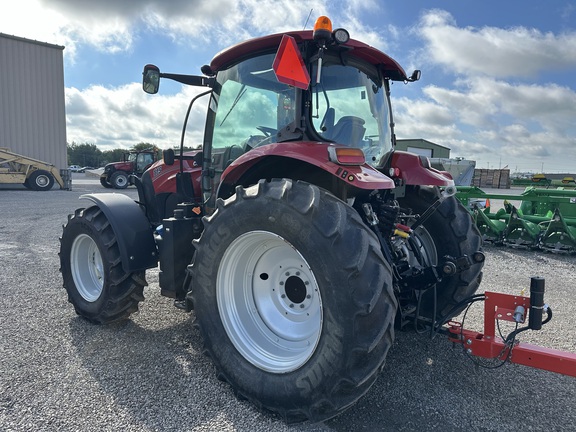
<point x="236" y="53"/>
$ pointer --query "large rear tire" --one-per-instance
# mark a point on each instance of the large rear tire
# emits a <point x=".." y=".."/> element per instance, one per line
<point x="98" y="287"/>
<point x="450" y="231"/>
<point x="293" y="299"/>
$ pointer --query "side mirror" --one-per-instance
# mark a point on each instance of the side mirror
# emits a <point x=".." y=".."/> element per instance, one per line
<point x="151" y="79"/>
<point x="415" y="75"/>
<point x="168" y="156"/>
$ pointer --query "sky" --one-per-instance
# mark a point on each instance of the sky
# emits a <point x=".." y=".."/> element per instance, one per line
<point x="498" y="79"/>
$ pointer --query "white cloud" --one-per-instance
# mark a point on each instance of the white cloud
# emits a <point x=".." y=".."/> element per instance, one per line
<point x="495" y="52"/>
<point x="28" y="18"/>
<point x="111" y="26"/>
<point x="124" y="116"/>
<point x="70" y="27"/>
<point x="485" y="102"/>
<point x="469" y="107"/>
<point x="483" y="117"/>
<point x="498" y="105"/>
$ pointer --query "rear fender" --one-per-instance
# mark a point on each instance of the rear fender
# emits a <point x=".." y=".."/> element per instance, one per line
<point x="314" y="153"/>
<point x="416" y="170"/>
<point x="132" y="229"/>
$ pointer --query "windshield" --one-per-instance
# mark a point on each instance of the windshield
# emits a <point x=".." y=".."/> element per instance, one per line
<point x="350" y="107"/>
<point x="252" y="106"/>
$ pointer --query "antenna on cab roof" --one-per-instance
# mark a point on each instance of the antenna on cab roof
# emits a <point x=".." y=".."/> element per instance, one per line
<point x="307" y="19"/>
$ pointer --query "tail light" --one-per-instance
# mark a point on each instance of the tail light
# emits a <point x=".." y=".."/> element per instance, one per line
<point x="346" y="155"/>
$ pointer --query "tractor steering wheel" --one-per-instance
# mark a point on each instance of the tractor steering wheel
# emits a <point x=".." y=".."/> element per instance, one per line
<point x="260" y="140"/>
<point x="268" y="131"/>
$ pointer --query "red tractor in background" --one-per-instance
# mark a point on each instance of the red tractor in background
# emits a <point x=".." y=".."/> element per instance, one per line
<point x="297" y="235"/>
<point x="117" y="175"/>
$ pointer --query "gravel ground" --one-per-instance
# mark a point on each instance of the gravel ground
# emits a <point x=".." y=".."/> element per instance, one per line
<point x="60" y="373"/>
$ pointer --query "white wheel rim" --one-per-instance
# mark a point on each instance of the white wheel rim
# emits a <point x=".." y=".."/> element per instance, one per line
<point x="121" y="180"/>
<point x="269" y="302"/>
<point x="87" y="267"/>
<point x="42" y="180"/>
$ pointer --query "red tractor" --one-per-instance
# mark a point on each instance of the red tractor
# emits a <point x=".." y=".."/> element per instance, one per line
<point x="297" y="235"/>
<point x="118" y="175"/>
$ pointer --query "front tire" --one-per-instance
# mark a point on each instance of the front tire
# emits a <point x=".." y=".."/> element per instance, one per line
<point x="97" y="286"/>
<point x="105" y="183"/>
<point x="293" y="299"/>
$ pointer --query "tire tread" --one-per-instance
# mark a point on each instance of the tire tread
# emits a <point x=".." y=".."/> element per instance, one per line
<point x="370" y="296"/>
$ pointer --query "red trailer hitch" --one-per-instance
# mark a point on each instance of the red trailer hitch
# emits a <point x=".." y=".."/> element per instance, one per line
<point x="506" y="307"/>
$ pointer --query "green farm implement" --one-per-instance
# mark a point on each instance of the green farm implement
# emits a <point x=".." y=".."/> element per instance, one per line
<point x="545" y="218"/>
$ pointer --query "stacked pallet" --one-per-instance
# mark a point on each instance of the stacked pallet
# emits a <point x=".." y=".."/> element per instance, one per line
<point x="492" y="178"/>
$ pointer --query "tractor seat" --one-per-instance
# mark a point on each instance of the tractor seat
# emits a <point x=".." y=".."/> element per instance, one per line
<point x="349" y="130"/>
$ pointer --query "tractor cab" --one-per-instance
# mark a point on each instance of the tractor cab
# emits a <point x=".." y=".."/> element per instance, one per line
<point x="347" y="106"/>
<point x="141" y="160"/>
<point x="297" y="105"/>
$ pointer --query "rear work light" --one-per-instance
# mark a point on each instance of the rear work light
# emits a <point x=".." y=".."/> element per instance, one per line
<point x="346" y="155"/>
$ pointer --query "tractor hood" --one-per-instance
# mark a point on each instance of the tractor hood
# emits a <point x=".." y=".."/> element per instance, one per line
<point x="118" y="166"/>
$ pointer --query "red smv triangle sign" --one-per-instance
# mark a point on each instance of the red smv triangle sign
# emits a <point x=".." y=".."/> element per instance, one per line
<point x="289" y="66"/>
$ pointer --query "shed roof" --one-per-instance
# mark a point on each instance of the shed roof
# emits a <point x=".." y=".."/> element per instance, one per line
<point x="421" y="140"/>
<point x="21" y="39"/>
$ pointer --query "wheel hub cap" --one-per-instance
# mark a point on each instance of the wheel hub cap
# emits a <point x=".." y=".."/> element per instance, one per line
<point x="87" y="267"/>
<point x="269" y="302"/>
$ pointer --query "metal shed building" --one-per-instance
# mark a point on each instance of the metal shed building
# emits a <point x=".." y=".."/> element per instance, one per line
<point x="32" y="105"/>
<point x="423" y="147"/>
